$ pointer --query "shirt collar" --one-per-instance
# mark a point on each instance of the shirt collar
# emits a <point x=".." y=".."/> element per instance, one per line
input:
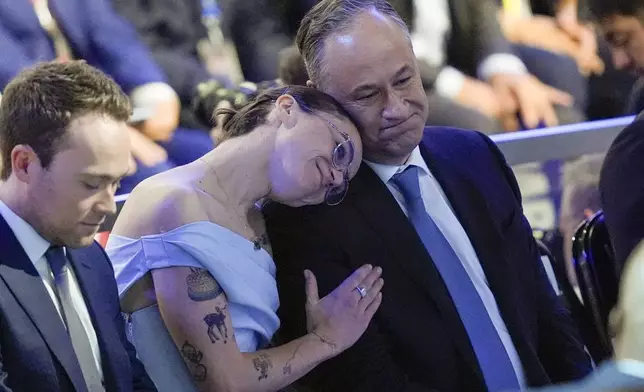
<point x="33" y="244"/>
<point x="386" y="172"/>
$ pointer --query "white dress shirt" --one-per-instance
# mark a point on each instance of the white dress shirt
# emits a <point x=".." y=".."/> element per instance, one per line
<point x="431" y="26"/>
<point x="438" y="207"/>
<point x="35" y="247"/>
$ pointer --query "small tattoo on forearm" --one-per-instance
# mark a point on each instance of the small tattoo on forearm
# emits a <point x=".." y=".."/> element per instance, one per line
<point x="216" y="322"/>
<point x="202" y="286"/>
<point x="287" y="367"/>
<point x="325" y="340"/>
<point x="262" y="364"/>
<point x="193" y="358"/>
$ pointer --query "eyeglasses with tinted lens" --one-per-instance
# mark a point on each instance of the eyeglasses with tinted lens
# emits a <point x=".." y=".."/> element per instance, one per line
<point x="343" y="153"/>
<point x="335" y="194"/>
<point x="342" y="158"/>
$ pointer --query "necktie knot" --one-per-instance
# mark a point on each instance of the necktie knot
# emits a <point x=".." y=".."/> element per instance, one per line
<point x="407" y="183"/>
<point x="57" y="261"/>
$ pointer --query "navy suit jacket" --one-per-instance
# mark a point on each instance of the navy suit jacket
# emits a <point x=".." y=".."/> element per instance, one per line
<point x="416" y="341"/>
<point x="94" y="31"/>
<point x="621" y="186"/>
<point x="35" y="351"/>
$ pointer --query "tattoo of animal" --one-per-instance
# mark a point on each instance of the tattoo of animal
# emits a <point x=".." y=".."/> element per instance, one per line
<point x="262" y="364"/>
<point x="202" y="286"/>
<point x="216" y="323"/>
<point x="193" y="358"/>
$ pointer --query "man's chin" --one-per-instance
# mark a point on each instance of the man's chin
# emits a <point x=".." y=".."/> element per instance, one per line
<point x="81" y="241"/>
<point x="406" y="141"/>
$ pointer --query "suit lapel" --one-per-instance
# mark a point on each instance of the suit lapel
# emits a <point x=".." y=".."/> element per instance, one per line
<point x="472" y="211"/>
<point x="370" y="196"/>
<point x="89" y="282"/>
<point x="25" y="283"/>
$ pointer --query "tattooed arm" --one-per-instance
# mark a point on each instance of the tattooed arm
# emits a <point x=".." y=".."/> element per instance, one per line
<point x="195" y="311"/>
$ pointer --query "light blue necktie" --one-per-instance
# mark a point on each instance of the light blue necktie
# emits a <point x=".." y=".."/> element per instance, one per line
<point x="80" y="341"/>
<point x="498" y="372"/>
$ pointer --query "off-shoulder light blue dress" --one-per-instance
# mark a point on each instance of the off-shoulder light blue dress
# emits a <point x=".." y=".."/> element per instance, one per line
<point x="246" y="274"/>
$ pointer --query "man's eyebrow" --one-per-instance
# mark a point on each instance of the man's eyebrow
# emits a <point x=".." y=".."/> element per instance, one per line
<point x="402" y="70"/>
<point x="363" y="88"/>
<point x="370" y="87"/>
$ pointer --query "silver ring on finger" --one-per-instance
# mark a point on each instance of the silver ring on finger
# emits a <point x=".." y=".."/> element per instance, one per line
<point x="362" y="291"/>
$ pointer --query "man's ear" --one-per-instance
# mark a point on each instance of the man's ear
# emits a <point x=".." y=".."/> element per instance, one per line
<point x="310" y="83"/>
<point x="24" y="161"/>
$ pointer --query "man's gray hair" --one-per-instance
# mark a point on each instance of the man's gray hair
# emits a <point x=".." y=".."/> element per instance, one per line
<point x="330" y="17"/>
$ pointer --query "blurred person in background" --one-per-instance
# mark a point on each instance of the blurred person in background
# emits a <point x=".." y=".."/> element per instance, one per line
<point x="565" y="28"/>
<point x="622" y="178"/>
<point x="625" y="372"/>
<point x="483" y="82"/>
<point x="292" y="70"/>
<point x="580" y="200"/>
<point x="553" y="26"/>
<point x="178" y="33"/>
<point x="257" y="29"/>
<point x="65" y="146"/>
<point x="43" y="30"/>
<point x="212" y="95"/>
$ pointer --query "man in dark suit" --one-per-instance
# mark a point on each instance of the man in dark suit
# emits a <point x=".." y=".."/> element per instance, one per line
<point x="64" y="143"/>
<point x="467" y="305"/>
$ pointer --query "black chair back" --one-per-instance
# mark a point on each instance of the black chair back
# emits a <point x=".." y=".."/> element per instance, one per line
<point x="592" y="339"/>
<point x="586" y="240"/>
<point x="601" y="259"/>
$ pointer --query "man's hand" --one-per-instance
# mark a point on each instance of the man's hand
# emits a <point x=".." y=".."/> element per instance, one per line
<point x="163" y="122"/>
<point x="480" y="96"/>
<point x="526" y="95"/>
<point x="587" y="55"/>
<point x="145" y="150"/>
<point x="558" y="36"/>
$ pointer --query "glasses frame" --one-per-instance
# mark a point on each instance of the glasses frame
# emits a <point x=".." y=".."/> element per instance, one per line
<point x="343" y="187"/>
